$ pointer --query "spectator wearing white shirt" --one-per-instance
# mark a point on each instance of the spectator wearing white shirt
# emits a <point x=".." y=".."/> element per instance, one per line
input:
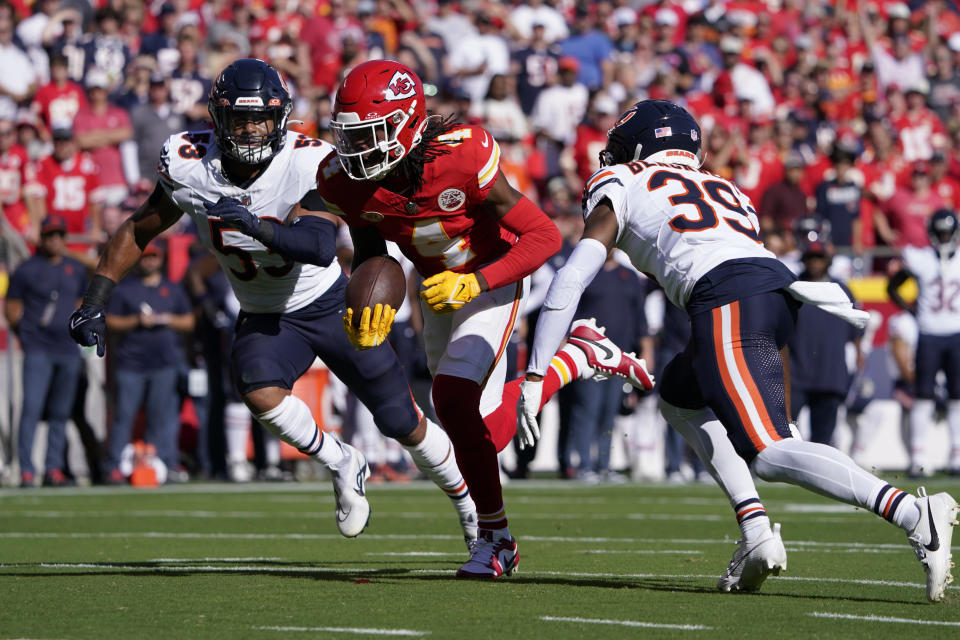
<point x="477" y="59"/>
<point x="748" y="82"/>
<point x="558" y="111"/>
<point x="534" y="12"/>
<point x="18" y="80"/>
<point x="500" y="113"/>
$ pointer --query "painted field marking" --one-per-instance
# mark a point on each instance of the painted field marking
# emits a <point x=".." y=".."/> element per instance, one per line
<point x="642" y="552"/>
<point x="214" y="559"/>
<point x="844" y="616"/>
<point x="367" y="570"/>
<point x="795" y="545"/>
<point x="417" y="554"/>
<point x="357" y="630"/>
<point x="628" y="623"/>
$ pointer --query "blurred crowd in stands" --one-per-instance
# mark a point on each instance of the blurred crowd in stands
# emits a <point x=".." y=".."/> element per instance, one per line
<point x="839" y="119"/>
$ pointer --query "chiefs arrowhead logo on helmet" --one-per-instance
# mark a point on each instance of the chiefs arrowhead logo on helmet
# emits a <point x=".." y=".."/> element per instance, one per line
<point x="401" y="87"/>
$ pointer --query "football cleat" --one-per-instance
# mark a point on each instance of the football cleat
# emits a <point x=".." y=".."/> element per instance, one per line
<point x="490" y="558"/>
<point x="753" y="562"/>
<point x="931" y="538"/>
<point x="606" y="358"/>
<point x="349" y="478"/>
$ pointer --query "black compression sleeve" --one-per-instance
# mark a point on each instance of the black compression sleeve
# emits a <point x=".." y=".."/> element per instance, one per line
<point x="310" y="239"/>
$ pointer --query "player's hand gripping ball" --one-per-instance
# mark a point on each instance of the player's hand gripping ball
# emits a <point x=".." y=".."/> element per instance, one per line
<point x="447" y="291"/>
<point x="374" y="293"/>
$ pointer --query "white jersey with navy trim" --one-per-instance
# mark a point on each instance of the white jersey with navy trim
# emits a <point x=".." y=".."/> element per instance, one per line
<point x="938" y="299"/>
<point x="676" y="223"/>
<point x="263" y="281"/>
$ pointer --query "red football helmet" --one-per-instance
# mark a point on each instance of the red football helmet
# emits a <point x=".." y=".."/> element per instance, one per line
<point x="378" y="118"/>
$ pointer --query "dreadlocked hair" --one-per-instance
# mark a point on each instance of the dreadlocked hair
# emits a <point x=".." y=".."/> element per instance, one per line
<point x="411" y="167"/>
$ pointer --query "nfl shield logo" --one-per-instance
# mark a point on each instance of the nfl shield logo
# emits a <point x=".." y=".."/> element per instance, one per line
<point x="245" y="200"/>
<point x="662" y="132"/>
<point x="694" y="135"/>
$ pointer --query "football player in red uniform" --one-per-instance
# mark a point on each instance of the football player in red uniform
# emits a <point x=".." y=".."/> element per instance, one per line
<point x="435" y="188"/>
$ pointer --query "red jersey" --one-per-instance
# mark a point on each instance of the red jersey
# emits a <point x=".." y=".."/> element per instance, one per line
<point x="68" y="187"/>
<point x="13" y="166"/>
<point x="57" y="106"/>
<point x="441" y="226"/>
<point x="586" y="150"/>
<point x="918" y="134"/>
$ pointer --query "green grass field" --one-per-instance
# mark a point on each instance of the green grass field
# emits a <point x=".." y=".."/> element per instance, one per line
<point x="265" y="561"/>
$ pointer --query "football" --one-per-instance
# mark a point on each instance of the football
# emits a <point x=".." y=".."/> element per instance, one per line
<point x="378" y="280"/>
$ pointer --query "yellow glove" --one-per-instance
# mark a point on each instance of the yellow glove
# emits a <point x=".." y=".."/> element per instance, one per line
<point x="374" y="326"/>
<point x="448" y="291"/>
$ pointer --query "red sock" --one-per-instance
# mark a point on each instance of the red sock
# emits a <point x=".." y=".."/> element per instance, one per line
<point x="457" y="401"/>
<point x="502" y="423"/>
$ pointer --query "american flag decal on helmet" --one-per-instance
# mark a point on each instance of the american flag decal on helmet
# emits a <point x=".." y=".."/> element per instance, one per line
<point x="662" y="132"/>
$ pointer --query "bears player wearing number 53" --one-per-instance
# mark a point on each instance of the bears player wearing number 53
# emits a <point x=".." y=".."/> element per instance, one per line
<point x="435" y="188"/>
<point x="697" y="234"/>
<point x="250" y="187"/>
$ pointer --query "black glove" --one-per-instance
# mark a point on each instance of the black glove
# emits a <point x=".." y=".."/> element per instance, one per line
<point x="88" y="327"/>
<point x="232" y="210"/>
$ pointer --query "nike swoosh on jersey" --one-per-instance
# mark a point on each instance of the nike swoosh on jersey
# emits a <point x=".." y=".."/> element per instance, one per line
<point x="607" y="352"/>
<point x="934" y="538"/>
<point x="486" y="141"/>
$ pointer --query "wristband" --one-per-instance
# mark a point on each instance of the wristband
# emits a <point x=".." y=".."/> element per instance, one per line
<point x="98" y="293"/>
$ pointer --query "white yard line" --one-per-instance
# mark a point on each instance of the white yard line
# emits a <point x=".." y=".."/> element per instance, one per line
<point x="250" y="559"/>
<point x="186" y="566"/>
<point x="845" y="616"/>
<point x="642" y="552"/>
<point x="794" y="545"/>
<point x="357" y="630"/>
<point x="628" y="623"/>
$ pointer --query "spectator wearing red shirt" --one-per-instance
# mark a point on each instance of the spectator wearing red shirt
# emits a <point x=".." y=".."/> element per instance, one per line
<point x="100" y="129"/>
<point x="325" y="36"/>
<point x="907" y="211"/>
<point x="591" y="140"/>
<point x="784" y="202"/>
<point x="66" y="184"/>
<point x="59" y="101"/>
<point x="945" y="185"/>
<point x="13" y="165"/>
<point x="919" y="130"/>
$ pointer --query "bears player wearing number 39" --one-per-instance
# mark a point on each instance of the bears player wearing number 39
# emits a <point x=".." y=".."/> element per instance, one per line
<point x="435" y="188"/>
<point x="250" y="187"/>
<point x="697" y="234"/>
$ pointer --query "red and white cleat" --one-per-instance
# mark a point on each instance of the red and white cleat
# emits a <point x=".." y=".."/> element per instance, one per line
<point x="606" y="358"/>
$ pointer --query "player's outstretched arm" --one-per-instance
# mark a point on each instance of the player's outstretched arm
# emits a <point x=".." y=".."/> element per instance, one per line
<point x="87" y="324"/>
<point x="310" y="238"/>
<point x="558" y="310"/>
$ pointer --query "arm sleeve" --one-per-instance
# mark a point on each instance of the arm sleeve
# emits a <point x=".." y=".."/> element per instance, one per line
<point x="561" y="301"/>
<point x="309" y="240"/>
<point x="537" y="239"/>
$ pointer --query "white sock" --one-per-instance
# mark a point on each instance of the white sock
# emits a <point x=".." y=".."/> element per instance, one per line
<point x="236" y="418"/>
<point x="271" y="450"/>
<point x="292" y="422"/>
<point x="953" y="423"/>
<point x="435" y="458"/>
<point x="921" y="415"/>
<point x="708" y="438"/>
<point x="827" y="471"/>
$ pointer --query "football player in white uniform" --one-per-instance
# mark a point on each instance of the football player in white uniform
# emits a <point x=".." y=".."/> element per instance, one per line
<point x="936" y="269"/>
<point x="250" y="186"/>
<point x="697" y="235"/>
